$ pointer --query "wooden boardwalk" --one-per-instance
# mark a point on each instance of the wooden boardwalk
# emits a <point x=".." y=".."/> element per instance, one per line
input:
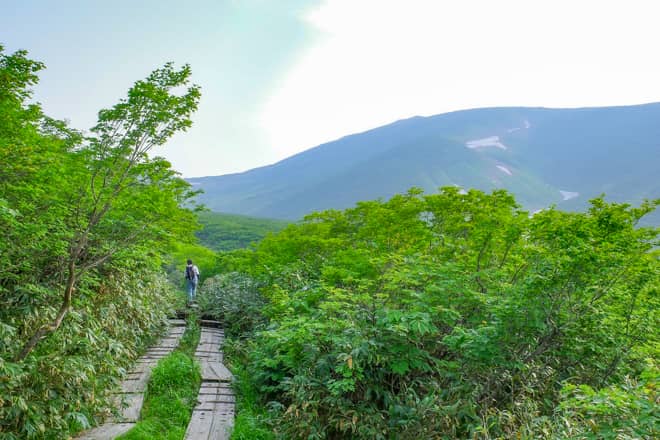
<point x="131" y="394"/>
<point x="213" y="417"/>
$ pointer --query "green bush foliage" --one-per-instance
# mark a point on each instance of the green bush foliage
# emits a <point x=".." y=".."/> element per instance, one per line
<point x="85" y="223"/>
<point x="235" y="299"/>
<point x="451" y="315"/>
<point x="64" y="385"/>
<point x="625" y="411"/>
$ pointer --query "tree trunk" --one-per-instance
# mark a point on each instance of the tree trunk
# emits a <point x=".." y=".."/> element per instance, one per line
<point x="49" y="328"/>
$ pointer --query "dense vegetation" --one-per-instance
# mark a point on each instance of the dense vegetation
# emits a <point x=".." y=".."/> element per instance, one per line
<point x="448" y="316"/>
<point x="85" y="221"/>
<point x="226" y="232"/>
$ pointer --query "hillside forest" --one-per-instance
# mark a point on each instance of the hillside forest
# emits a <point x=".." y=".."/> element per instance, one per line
<point x="445" y="315"/>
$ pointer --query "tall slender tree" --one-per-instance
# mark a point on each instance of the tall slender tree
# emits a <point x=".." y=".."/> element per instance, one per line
<point x="123" y="197"/>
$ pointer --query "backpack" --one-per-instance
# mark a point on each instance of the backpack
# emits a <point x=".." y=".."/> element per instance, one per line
<point x="190" y="273"/>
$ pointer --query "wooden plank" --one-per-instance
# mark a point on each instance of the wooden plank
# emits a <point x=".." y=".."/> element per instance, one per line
<point x="208" y="347"/>
<point x="208" y="350"/>
<point x="170" y="343"/>
<point x="215" y="342"/>
<point x="212" y="346"/>
<point x="107" y="431"/>
<point x="133" y="402"/>
<point x="206" y="400"/>
<point x="135" y="386"/>
<point x="216" y="397"/>
<point x="209" y="359"/>
<point x="199" y="426"/>
<point x="215" y="371"/>
<point x="224" y="411"/>
<point x="213" y="416"/>
<point x="203" y="352"/>
<point x="131" y="391"/>
<point x="216" y="392"/>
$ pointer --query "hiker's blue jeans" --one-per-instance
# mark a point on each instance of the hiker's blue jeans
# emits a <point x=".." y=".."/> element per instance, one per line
<point x="192" y="288"/>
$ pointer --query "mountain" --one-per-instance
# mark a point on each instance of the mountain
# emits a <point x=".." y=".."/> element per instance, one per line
<point x="543" y="156"/>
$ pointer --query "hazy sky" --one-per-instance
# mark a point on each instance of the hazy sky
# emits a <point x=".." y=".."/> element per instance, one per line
<point x="281" y="76"/>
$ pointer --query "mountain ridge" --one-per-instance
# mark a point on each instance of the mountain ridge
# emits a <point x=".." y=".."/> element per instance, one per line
<point x="540" y="154"/>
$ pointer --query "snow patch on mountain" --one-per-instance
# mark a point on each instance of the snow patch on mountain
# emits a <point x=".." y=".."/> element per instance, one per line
<point x="526" y="125"/>
<point x="568" y="195"/>
<point x="492" y="141"/>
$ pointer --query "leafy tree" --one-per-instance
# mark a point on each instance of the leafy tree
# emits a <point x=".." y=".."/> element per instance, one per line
<point x="86" y="222"/>
<point x="124" y="197"/>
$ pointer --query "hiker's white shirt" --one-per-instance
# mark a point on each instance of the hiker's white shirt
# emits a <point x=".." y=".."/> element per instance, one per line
<point x="195" y="271"/>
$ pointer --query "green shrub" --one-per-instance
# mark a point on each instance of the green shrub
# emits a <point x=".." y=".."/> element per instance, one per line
<point x="446" y="316"/>
<point x="251" y="419"/>
<point x="64" y="385"/>
<point x="630" y="410"/>
<point x="85" y="221"/>
<point x="235" y="300"/>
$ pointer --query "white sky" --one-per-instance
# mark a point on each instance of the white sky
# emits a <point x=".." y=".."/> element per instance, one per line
<point x="380" y="61"/>
<point x="279" y="77"/>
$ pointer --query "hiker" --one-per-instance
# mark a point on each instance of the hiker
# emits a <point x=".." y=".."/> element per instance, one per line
<point x="192" y="276"/>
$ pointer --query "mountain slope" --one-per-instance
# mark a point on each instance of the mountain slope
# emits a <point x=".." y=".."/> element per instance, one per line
<point x="226" y="232"/>
<point x="543" y="156"/>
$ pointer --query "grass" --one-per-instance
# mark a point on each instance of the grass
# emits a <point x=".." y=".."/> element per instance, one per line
<point x="172" y="392"/>
<point x="250" y="422"/>
<point x="190" y="338"/>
